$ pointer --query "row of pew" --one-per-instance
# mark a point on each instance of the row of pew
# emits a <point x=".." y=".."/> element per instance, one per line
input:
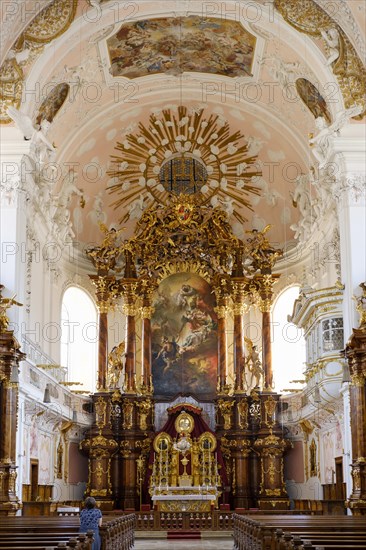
<point x="54" y="533"/>
<point x="279" y="532"/>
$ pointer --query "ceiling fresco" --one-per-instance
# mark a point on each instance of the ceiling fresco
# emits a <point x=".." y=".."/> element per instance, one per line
<point x="174" y="45"/>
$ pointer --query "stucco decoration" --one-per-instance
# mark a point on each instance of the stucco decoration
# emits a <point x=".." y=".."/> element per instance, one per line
<point x="49" y="24"/>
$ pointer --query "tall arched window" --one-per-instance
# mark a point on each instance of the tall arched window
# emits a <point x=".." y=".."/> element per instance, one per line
<point x="288" y="348"/>
<point x="79" y="340"/>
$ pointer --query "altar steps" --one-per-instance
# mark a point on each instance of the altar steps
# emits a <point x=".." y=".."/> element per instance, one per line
<point x="192" y="535"/>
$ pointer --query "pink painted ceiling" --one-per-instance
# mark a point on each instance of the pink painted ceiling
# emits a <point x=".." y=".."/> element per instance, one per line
<point x="105" y="104"/>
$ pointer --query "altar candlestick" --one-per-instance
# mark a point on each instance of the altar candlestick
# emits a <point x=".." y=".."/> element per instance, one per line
<point x="160" y="467"/>
<point x="209" y="466"/>
<point x="166" y="468"/>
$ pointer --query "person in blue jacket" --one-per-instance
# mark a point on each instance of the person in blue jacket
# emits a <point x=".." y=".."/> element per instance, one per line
<point x="91" y="518"/>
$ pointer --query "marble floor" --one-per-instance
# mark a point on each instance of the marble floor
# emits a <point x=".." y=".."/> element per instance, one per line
<point x="204" y="544"/>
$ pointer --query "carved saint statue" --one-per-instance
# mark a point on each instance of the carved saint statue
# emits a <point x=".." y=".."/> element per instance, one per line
<point x="115" y="365"/>
<point x="253" y="364"/>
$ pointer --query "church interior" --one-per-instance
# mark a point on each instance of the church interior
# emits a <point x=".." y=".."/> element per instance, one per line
<point x="183" y="266"/>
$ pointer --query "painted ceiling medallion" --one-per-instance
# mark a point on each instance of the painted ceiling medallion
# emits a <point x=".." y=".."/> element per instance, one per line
<point x="183" y="153"/>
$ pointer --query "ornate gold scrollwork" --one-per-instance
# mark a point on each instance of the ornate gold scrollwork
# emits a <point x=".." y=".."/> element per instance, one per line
<point x="225" y="408"/>
<point x="144" y="410"/>
<point x="243" y="410"/>
<point x="46" y="26"/>
<point x="127" y="410"/>
<point x="308" y="17"/>
<point x="100" y="412"/>
<point x="270" y="408"/>
<point x="125" y="449"/>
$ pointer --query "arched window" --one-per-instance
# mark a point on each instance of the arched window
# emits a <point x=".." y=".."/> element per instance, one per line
<point x="288" y="347"/>
<point x="79" y="340"/>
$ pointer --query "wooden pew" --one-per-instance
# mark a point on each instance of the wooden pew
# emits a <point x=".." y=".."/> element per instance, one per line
<point x="288" y="532"/>
<point x="41" y="533"/>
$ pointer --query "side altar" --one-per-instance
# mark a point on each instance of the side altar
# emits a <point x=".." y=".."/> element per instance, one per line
<point x="185" y="471"/>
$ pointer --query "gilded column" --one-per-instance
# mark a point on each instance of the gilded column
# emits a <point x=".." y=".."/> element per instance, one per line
<point x="10" y="355"/>
<point x="104" y="295"/>
<point x="104" y="259"/>
<point x="129" y="292"/>
<point x="355" y="353"/>
<point x="146" y="311"/>
<point x="221" y="290"/>
<point x="263" y="257"/>
<point x="239" y="309"/>
<point x="264" y="285"/>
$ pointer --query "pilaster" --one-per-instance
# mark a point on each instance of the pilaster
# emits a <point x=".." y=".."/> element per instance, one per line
<point x="13" y="219"/>
<point x="349" y="191"/>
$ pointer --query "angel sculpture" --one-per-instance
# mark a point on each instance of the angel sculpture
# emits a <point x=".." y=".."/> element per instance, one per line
<point x="23" y="122"/>
<point x="260" y="249"/>
<point x="253" y="364"/>
<point x="5" y="304"/>
<point x="44" y="150"/>
<point x="322" y="142"/>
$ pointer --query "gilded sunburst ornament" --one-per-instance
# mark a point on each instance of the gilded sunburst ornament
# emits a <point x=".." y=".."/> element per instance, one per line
<point x="182" y="152"/>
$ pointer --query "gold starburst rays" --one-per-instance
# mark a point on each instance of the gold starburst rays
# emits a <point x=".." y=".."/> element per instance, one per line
<point x="181" y="145"/>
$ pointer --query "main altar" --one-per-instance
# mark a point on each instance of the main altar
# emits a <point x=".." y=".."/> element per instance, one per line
<point x="185" y="473"/>
<point x="183" y="285"/>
